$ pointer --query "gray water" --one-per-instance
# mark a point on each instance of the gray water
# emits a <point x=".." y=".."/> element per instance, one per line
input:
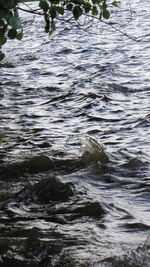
<point x="75" y="157"/>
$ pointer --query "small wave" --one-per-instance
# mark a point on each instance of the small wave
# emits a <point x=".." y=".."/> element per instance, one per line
<point x="60" y="98"/>
<point x="48" y="217"/>
<point x="65" y="50"/>
<point x="142" y="121"/>
<point x="105" y="98"/>
<point x="133" y="163"/>
<point x="50" y="189"/>
<point x="93" y="151"/>
<point x="105" y="119"/>
<point x="40" y="163"/>
<point x="118" y="88"/>
<point x="136" y="227"/>
<point x="51" y="197"/>
<point x="138" y="257"/>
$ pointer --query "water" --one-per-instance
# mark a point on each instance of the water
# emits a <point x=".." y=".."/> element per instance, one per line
<point x="75" y="169"/>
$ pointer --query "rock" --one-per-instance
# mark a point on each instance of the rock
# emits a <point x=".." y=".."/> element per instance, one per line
<point x="53" y="189"/>
<point x="45" y="191"/>
<point x="38" y="163"/>
<point x="89" y="209"/>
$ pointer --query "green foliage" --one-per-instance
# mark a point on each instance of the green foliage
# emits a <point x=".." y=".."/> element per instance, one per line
<point x="77" y="12"/>
<point x="51" y="10"/>
<point x="106" y="14"/>
<point x="44" y="5"/>
<point x="10" y="25"/>
<point x="115" y="4"/>
<point x="2" y="55"/>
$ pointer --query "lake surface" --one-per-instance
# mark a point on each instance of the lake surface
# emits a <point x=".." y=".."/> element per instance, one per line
<point x="75" y="157"/>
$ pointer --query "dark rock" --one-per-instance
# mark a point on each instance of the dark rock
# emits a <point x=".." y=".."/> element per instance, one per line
<point x="53" y="189"/>
<point x="89" y="209"/>
<point x="38" y="163"/>
<point x="45" y="191"/>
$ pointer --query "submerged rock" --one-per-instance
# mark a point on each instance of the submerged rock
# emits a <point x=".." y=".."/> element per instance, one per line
<point x="45" y="191"/>
<point x="32" y="165"/>
<point x="92" y="209"/>
<point x="53" y="189"/>
<point x="54" y="200"/>
<point x="44" y="220"/>
<point x="38" y="163"/>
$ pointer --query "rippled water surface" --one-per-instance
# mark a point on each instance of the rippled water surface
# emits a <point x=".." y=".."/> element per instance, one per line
<point x="75" y="157"/>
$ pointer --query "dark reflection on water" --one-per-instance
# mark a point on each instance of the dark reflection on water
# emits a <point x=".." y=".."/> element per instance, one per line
<point x="75" y="169"/>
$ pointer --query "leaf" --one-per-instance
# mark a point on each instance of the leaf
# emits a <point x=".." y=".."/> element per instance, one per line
<point x="106" y="14"/>
<point x="14" y="22"/>
<point x="2" y="31"/>
<point x="44" y="5"/>
<point x="9" y="4"/>
<point x="87" y="7"/>
<point x="69" y="7"/>
<point x="94" y="1"/>
<point x="78" y="2"/>
<point x="2" y="22"/>
<point x="2" y="55"/>
<point x="104" y="5"/>
<point x="94" y="11"/>
<point x="12" y="33"/>
<point x="6" y="14"/>
<point x="77" y="12"/>
<point x="2" y="39"/>
<point x="60" y="10"/>
<point x="19" y="36"/>
<point x="115" y="3"/>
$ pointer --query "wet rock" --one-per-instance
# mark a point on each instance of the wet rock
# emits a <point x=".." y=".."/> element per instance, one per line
<point x="74" y="211"/>
<point x="45" y="191"/>
<point x="10" y="262"/>
<point x="53" y="189"/>
<point x="44" y="221"/>
<point x="33" y="165"/>
<point x="89" y="209"/>
<point x="58" y="202"/>
<point x="38" y="163"/>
